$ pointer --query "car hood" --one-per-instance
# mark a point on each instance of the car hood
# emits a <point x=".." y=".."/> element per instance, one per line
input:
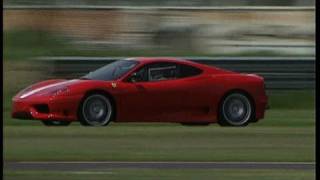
<point x="50" y="87"/>
<point x="45" y="87"/>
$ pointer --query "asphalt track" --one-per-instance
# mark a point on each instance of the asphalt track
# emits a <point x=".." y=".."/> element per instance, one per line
<point x="100" y="165"/>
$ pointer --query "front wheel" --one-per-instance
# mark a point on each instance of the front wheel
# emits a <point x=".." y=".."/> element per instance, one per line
<point x="56" y="123"/>
<point x="236" y="110"/>
<point x="96" y="110"/>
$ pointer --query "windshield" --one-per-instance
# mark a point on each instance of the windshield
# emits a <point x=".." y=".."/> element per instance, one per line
<point x="111" y="71"/>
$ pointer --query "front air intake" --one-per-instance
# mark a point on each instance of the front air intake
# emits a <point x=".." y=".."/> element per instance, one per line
<point x="42" y="108"/>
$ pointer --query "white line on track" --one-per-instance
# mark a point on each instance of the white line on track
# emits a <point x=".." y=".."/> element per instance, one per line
<point x="155" y="162"/>
<point x="89" y="172"/>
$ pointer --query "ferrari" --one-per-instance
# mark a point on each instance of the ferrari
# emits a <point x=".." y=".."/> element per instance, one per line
<point x="146" y="90"/>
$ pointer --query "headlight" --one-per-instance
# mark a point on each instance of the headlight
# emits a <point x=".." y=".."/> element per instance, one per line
<point x="60" y="91"/>
<point x="53" y="91"/>
<point x="57" y="91"/>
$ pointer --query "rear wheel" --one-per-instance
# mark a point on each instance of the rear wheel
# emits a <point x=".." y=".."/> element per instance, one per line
<point x="56" y="123"/>
<point x="96" y="110"/>
<point x="235" y="110"/>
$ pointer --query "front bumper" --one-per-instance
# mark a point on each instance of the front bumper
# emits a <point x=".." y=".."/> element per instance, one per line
<point x="44" y="108"/>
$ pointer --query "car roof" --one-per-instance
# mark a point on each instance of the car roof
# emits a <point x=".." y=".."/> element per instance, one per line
<point x="146" y="60"/>
<point x="205" y="68"/>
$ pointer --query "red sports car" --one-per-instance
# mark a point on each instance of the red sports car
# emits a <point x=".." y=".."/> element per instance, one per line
<point x="146" y="90"/>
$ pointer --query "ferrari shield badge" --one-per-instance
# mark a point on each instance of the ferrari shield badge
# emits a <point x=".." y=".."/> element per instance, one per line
<point x="114" y="85"/>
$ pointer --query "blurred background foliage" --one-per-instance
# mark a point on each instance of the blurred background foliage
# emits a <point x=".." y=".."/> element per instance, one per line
<point x="29" y="44"/>
<point x="24" y="44"/>
<point x="119" y="31"/>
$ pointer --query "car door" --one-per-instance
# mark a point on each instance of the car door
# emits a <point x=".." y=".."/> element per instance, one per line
<point x="156" y="95"/>
<point x="197" y="101"/>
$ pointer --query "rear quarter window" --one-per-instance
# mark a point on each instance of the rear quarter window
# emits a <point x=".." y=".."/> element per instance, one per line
<point x="189" y="71"/>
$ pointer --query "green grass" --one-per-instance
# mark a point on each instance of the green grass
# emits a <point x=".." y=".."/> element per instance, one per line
<point x="159" y="142"/>
<point x="291" y="99"/>
<point x="163" y="174"/>
<point x="288" y="118"/>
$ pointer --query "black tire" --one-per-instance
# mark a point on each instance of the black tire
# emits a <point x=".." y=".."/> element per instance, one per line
<point x="56" y="123"/>
<point x="236" y="109"/>
<point x="96" y="110"/>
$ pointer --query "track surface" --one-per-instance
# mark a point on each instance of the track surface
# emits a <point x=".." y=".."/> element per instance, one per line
<point x="100" y="165"/>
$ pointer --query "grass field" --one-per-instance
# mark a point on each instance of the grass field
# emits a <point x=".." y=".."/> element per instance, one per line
<point x="154" y="174"/>
<point x="161" y="142"/>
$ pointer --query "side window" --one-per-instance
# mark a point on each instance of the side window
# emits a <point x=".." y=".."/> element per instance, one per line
<point x="188" y="71"/>
<point x="140" y="75"/>
<point x="162" y="71"/>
